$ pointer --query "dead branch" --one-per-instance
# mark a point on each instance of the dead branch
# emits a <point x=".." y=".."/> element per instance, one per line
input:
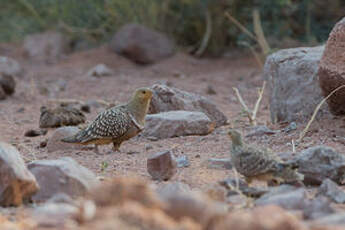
<point x="251" y="114"/>
<point x="305" y="130"/>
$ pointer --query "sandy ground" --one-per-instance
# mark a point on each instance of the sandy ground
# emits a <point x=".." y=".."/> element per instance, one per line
<point x="67" y="79"/>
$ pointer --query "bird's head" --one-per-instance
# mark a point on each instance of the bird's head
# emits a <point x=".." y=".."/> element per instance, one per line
<point x="235" y="136"/>
<point x="143" y="94"/>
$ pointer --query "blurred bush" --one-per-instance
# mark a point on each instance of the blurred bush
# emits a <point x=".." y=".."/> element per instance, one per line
<point x="95" y="21"/>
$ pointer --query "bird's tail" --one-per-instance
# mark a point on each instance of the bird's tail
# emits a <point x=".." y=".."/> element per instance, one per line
<point x="70" y="139"/>
<point x="77" y="138"/>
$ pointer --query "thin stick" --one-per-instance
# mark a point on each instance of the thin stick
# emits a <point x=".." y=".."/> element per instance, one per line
<point x="245" y="107"/>
<point x="257" y="104"/>
<point x="206" y="36"/>
<point x="305" y="130"/>
<point x="260" y="33"/>
<point x="240" y="26"/>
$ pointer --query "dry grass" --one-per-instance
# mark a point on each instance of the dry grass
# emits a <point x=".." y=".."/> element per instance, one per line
<point x="251" y="114"/>
<point x="305" y="130"/>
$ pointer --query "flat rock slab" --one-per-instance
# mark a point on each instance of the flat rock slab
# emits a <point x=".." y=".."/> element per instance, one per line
<point x="293" y="83"/>
<point x="177" y="123"/>
<point x="64" y="175"/>
<point x="55" y="143"/>
<point x="286" y="197"/>
<point x="319" y="163"/>
<point x="162" y="166"/>
<point x="17" y="183"/>
<point x="167" y="98"/>
<point x="141" y="44"/>
<point x="332" y="68"/>
<point x="218" y="163"/>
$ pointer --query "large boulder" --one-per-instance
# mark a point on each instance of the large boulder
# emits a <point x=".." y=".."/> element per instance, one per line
<point x="177" y="123"/>
<point x="64" y="175"/>
<point x="17" y="184"/>
<point x="332" y="68"/>
<point x="141" y="44"/>
<point x="47" y="47"/>
<point x="319" y="163"/>
<point x="166" y="99"/>
<point x="291" y="75"/>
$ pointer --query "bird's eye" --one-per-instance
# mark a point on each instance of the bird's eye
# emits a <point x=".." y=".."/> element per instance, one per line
<point x="144" y="92"/>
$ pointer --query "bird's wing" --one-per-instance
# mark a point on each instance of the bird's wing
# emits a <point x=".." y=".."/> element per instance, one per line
<point x="112" y="123"/>
<point x="255" y="162"/>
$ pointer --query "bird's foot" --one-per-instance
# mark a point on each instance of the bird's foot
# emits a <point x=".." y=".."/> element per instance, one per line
<point x="97" y="150"/>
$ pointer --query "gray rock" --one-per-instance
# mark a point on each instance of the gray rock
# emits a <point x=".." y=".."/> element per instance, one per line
<point x="64" y="175"/>
<point x="331" y="190"/>
<point x="55" y="143"/>
<point x="9" y="66"/>
<point x="141" y="44"/>
<point x="285" y="198"/>
<point x="334" y="219"/>
<point x="293" y="83"/>
<point x="46" y="47"/>
<point x="51" y="215"/>
<point x="168" y="99"/>
<point x="260" y="130"/>
<point x="164" y="191"/>
<point x="182" y="162"/>
<point x="60" y="116"/>
<point x="292" y="126"/>
<point x="219" y="163"/>
<point x="177" y="123"/>
<point x="317" y="208"/>
<point x="181" y="203"/>
<point x="162" y="166"/>
<point x="100" y="70"/>
<point x="319" y="163"/>
<point x="17" y="184"/>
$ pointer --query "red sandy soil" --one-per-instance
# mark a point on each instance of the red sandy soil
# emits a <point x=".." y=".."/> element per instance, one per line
<point x="182" y="71"/>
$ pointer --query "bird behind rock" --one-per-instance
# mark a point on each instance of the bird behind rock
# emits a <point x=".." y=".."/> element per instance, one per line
<point x="258" y="163"/>
<point x="116" y="124"/>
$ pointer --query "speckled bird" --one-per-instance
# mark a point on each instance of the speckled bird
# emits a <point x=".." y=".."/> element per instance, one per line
<point x="258" y="163"/>
<point x="116" y="124"/>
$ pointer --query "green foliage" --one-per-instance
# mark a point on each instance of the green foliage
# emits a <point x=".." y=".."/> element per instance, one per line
<point x="185" y="20"/>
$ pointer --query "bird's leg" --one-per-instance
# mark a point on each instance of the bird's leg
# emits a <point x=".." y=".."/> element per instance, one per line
<point x="249" y="180"/>
<point x="96" y="149"/>
<point x="116" y="146"/>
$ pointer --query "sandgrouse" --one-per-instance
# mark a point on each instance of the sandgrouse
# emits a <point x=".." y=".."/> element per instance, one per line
<point x="116" y="124"/>
<point x="262" y="164"/>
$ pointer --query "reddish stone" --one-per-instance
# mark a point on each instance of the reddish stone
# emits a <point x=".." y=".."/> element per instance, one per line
<point x="332" y="69"/>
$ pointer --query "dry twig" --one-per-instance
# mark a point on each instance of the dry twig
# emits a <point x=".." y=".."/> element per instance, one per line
<point x="251" y="114"/>
<point x="305" y="130"/>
